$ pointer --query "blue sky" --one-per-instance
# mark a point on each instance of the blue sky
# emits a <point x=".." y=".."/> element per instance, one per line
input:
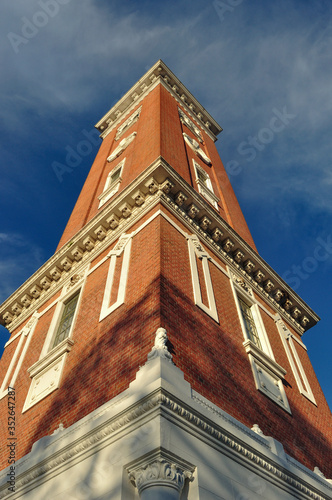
<point x="66" y="62"/>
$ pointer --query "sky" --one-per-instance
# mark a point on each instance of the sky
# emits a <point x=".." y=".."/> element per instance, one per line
<point x="262" y="69"/>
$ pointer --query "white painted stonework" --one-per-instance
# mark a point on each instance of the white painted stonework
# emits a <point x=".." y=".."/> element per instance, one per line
<point x="161" y="440"/>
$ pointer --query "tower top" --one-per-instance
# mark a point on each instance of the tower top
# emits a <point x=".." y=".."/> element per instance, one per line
<point x="158" y="143"/>
<point x="159" y="72"/>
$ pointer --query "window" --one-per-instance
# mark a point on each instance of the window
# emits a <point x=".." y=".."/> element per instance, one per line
<point x="290" y="341"/>
<point x="204" y="185"/>
<point x="268" y="374"/>
<point x="66" y="320"/>
<point x="249" y="323"/>
<point x="46" y="373"/>
<point x="112" y="183"/>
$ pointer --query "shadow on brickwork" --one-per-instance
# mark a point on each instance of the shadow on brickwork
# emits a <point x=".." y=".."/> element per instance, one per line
<point x="212" y="358"/>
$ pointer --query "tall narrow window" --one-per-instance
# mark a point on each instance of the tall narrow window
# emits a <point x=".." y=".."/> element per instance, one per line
<point x="66" y="320"/>
<point x="112" y="183"/>
<point x="204" y="185"/>
<point x="249" y="323"/>
<point x="268" y="374"/>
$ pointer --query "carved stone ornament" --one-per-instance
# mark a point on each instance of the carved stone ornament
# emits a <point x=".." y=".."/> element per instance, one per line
<point x="76" y="278"/>
<point x="100" y="232"/>
<point x="296" y="312"/>
<point x="122" y="146"/>
<point x="216" y="234"/>
<point x="159" y="473"/>
<point x="66" y="263"/>
<point x="190" y="124"/>
<point x="89" y="243"/>
<point x="248" y="266"/>
<point x="152" y="185"/>
<point x="305" y="321"/>
<point x="16" y="308"/>
<point x="278" y="295"/>
<point x="241" y="282"/>
<point x="238" y="256"/>
<point x="257" y="429"/>
<point x="26" y="300"/>
<point x="138" y="197"/>
<point x="77" y="253"/>
<point x="160" y="348"/>
<point x="126" y="210"/>
<point x="35" y="290"/>
<point x="205" y="222"/>
<point x="196" y="148"/>
<point x="268" y="286"/>
<point x="45" y="282"/>
<point x="113" y="221"/>
<point x="8" y="318"/>
<point x="180" y="198"/>
<point x="167" y="186"/>
<point x="288" y="304"/>
<point x="227" y="245"/>
<point x="55" y="272"/>
<point x="259" y="276"/>
<point x="193" y="210"/>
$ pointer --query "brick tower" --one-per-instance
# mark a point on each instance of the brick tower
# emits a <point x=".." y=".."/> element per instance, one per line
<point x="156" y="355"/>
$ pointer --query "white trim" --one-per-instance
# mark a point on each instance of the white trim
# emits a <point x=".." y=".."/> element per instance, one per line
<point x="267" y="373"/>
<point x="195" y="249"/>
<point x="294" y="360"/>
<point x="123" y="245"/>
<point x="26" y="333"/>
<point x="122" y="146"/>
<point x="205" y="190"/>
<point x="46" y="374"/>
<point x="66" y="292"/>
<point x="267" y="376"/>
<point x="111" y="189"/>
<point x="253" y="304"/>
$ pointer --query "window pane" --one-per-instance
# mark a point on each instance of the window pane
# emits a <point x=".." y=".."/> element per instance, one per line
<point x="66" y="320"/>
<point x="202" y="177"/>
<point x="115" y="175"/>
<point x="249" y="324"/>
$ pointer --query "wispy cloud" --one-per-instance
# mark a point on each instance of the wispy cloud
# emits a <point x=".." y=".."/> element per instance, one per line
<point x="19" y="258"/>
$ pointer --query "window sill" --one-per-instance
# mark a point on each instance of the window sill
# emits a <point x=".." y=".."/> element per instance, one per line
<point x="46" y="374"/>
<point x="268" y="375"/>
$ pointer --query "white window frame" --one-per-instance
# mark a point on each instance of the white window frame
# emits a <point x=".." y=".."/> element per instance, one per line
<point x="25" y="336"/>
<point x="123" y="245"/>
<point x="111" y="188"/>
<point x="268" y="374"/>
<point x="205" y="189"/>
<point x="46" y="373"/>
<point x="195" y="249"/>
<point x="302" y="381"/>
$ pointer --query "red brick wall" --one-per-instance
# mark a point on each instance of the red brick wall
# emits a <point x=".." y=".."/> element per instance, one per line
<point x="216" y="365"/>
<point x="159" y="133"/>
<point x="106" y="355"/>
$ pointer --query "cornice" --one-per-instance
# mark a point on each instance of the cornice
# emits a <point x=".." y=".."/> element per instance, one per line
<point x="159" y="182"/>
<point x="159" y="73"/>
<point x="165" y="404"/>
